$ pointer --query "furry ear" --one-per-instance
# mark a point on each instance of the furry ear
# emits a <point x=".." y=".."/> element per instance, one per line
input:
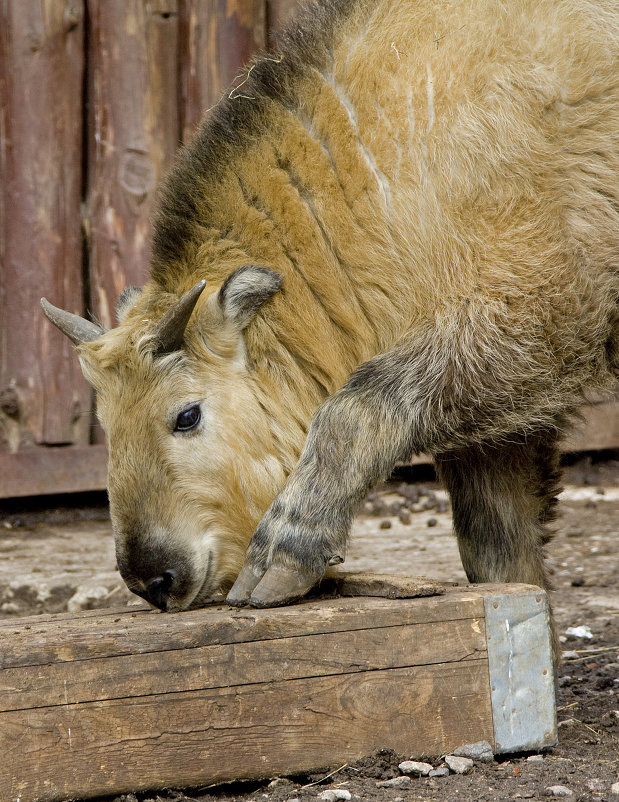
<point x="244" y="292"/>
<point x="126" y="301"/>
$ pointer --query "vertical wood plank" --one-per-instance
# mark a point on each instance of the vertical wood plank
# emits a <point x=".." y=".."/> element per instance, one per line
<point x="217" y="37"/>
<point x="133" y="133"/>
<point x="43" y="399"/>
<point x="278" y="14"/>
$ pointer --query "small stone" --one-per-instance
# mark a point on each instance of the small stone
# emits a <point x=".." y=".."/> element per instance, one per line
<point x="335" y="794"/>
<point x="558" y="790"/>
<point x="442" y="771"/>
<point x="404" y="516"/>
<point x="432" y="521"/>
<point x="569" y="722"/>
<point x="386" y="524"/>
<point x="614" y="789"/>
<point x="596" y="784"/>
<point x="415" y="768"/>
<point x="535" y="759"/>
<point x="394" y="782"/>
<point x="87" y="596"/>
<point x="459" y="765"/>
<point x="582" y="631"/>
<point x="480" y="750"/>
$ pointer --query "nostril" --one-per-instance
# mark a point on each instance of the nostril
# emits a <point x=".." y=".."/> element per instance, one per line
<point x="158" y="589"/>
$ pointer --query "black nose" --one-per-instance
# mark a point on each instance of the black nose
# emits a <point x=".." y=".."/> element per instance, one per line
<point x="158" y="589"/>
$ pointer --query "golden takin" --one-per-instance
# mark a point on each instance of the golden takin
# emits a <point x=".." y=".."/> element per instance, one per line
<point x="399" y="234"/>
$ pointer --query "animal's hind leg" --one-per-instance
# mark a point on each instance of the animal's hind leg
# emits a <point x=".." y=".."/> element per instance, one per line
<point x="503" y="496"/>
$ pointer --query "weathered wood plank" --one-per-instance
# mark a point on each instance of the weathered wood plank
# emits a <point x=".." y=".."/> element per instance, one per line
<point x="64" y="638"/>
<point x="133" y="134"/>
<point x="218" y="38"/>
<point x="185" y="739"/>
<point x="43" y="397"/>
<point x="279" y="12"/>
<point x="228" y="665"/>
<point x="41" y="471"/>
<point x="600" y="429"/>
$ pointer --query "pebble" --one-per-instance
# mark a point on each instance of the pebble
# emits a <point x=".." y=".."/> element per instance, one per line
<point x="415" y="767"/>
<point x="569" y="722"/>
<point x="87" y="596"/>
<point x="614" y="789"/>
<point x="335" y="794"/>
<point x="558" y="790"/>
<point x="394" y="782"/>
<point x="535" y="759"/>
<point x="480" y="750"/>
<point x="432" y="521"/>
<point x="442" y="771"/>
<point x="459" y="765"/>
<point x="595" y="784"/>
<point x="582" y="631"/>
<point x="386" y="524"/>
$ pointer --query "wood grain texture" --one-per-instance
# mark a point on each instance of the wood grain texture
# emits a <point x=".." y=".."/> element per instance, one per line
<point x="185" y="739"/>
<point x="218" y="38"/>
<point x="43" y="398"/>
<point x="133" y="134"/>
<point x="105" y="702"/>
<point x="40" y="471"/>
<point x="42" y="640"/>
<point x="222" y="665"/>
<point x="279" y="12"/>
<point x="599" y="430"/>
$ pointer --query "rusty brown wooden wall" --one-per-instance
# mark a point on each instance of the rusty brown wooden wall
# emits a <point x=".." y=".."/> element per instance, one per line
<point x="95" y="97"/>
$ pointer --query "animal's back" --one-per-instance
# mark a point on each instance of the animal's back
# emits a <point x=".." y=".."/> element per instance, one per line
<point x="397" y="159"/>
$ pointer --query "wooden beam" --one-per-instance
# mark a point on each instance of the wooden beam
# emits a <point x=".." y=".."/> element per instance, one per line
<point x="48" y="471"/>
<point x="116" y="701"/>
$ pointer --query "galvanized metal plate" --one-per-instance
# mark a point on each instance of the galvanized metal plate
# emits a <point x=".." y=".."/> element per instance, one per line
<point x="521" y="669"/>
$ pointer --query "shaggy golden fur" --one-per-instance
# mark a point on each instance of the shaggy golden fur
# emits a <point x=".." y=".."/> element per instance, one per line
<point x="436" y="184"/>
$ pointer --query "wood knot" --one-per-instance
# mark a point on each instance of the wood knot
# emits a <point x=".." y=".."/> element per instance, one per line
<point x="137" y="173"/>
<point x="9" y="402"/>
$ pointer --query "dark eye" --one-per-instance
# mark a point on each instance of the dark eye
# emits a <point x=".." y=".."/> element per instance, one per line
<point x="188" y="419"/>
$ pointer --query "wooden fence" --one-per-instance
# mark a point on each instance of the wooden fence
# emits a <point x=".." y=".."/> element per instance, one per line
<point x="95" y="97"/>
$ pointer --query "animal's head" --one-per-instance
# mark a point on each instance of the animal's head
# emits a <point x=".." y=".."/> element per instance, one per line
<point x="192" y="459"/>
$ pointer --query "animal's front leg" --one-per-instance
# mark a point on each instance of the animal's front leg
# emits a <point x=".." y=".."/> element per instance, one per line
<point x="355" y="438"/>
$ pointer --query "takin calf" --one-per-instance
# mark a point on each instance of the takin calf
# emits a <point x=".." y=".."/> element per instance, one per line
<point x="399" y="234"/>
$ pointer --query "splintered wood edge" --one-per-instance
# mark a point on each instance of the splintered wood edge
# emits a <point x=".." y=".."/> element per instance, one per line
<point x="388" y="586"/>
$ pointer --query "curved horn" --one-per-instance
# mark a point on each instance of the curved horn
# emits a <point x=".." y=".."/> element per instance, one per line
<point x="75" y="327"/>
<point x="170" y="330"/>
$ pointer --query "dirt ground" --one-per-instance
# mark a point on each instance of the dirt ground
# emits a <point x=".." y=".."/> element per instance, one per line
<point x="55" y="559"/>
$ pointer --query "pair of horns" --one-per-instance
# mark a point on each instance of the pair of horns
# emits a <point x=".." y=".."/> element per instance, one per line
<point x="168" y="333"/>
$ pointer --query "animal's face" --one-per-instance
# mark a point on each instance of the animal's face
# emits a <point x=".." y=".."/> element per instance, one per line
<point x="191" y="461"/>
